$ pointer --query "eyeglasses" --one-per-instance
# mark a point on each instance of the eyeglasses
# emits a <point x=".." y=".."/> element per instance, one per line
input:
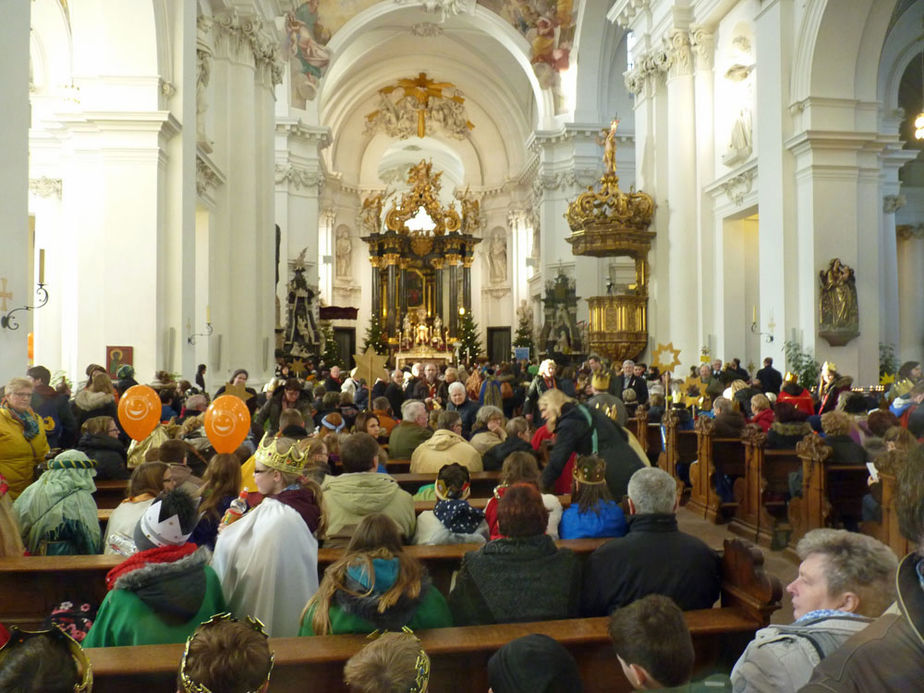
<point x="190" y="686"/>
<point x="20" y="394"/>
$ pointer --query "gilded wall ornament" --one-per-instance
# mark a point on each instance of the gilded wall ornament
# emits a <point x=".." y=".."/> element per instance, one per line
<point x="839" y="316"/>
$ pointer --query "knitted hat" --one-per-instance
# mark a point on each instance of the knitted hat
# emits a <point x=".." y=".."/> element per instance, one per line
<point x="72" y="459"/>
<point x="533" y="663"/>
<point x="125" y="371"/>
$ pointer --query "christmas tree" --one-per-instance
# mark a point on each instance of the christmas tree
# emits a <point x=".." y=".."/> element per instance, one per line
<point x="330" y="350"/>
<point x="375" y="338"/>
<point x="470" y="343"/>
<point x="524" y="335"/>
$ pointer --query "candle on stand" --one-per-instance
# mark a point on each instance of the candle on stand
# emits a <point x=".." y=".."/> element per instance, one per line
<point x="208" y="314"/>
<point x="753" y="314"/>
<point x="41" y="266"/>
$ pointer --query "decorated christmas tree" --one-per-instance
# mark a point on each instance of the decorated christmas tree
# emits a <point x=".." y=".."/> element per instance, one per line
<point x="330" y="350"/>
<point x="470" y="343"/>
<point x="524" y="335"/>
<point x="375" y="338"/>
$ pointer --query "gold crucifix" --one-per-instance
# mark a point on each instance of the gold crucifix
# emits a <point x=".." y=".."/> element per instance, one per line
<point x="422" y="88"/>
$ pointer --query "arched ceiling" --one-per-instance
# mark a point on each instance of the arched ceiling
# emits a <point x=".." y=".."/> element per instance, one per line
<point x="479" y="53"/>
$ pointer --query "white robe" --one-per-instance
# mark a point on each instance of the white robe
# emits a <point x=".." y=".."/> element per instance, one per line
<point x="267" y="562"/>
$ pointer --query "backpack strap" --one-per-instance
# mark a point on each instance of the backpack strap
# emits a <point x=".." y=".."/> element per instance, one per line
<point x="593" y="429"/>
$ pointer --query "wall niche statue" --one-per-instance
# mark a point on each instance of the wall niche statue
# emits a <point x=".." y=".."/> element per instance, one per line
<point x="839" y="316"/>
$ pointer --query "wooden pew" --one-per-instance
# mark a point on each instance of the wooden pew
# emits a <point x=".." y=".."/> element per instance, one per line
<point x="110" y="493"/>
<point x="422" y="505"/>
<point x="714" y="456"/>
<point x="31" y="586"/>
<point x="679" y="446"/>
<point x="483" y="483"/>
<point x="459" y="655"/>
<point x="823" y="481"/>
<point x="761" y="492"/>
<point x="887" y="531"/>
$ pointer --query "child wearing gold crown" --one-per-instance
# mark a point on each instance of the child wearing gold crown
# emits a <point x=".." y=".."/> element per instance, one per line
<point x="593" y="512"/>
<point x="268" y="559"/>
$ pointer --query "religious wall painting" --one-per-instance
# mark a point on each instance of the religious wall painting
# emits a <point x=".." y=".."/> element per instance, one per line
<point x="415" y="289"/>
<point x="839" y="314"/>
<point x="118" y="356"/>
<point x="306" y="45"/>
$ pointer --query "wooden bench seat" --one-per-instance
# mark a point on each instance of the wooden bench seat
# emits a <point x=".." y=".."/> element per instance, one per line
<point x="482" y="483"/>
<point x="887" y="530"/>
<point x="31" y="586"/>
<point x="459" y="655"/>
<point x="715" y="456"/>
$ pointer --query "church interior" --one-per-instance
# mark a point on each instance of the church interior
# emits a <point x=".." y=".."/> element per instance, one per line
<point x="232" y="182"/>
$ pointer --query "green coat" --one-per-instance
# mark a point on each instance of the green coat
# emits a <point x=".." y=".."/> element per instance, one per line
<point x="125" y="619"/>
<point x="404" y="439"/>
<point x="433" y="612"/>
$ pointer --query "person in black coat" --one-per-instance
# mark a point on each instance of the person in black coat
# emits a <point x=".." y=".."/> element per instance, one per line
<point x="655" y="557"/>
<point x="587" y="432"/>
<point x="240" y="377"/>
<point x="518" y="440"/>
<point x="100" y="442"/>
<point x="771" y="380"/>
<point x="394" y="391"/>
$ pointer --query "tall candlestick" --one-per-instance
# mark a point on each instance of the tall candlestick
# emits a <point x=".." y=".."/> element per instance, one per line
<point x="753" y="314"/>
<point x="208" y="314"/>
<point x="41" y="266"/>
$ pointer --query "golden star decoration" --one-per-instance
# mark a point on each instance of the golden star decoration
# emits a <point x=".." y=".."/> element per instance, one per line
<point x="887" y="379"/>
<point x="369" y="365"/>
<point x="297" y="367"/>
<point x="695" y="385"/>
<point x="239" y="391"/>
<point x="660" y="360"/>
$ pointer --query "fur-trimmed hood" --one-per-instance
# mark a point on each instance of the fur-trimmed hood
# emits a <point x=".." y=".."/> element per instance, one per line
<point x="172" y="590"/>
<point x="88" y="401"/>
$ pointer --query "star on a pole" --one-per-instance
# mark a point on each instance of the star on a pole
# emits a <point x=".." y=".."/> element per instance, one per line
<point x="239" y="391"/>
<point x="369" y="365"/>
<point x="661" y="354"/>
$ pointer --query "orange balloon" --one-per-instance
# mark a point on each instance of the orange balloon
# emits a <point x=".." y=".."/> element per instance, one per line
<point x="139" y="411"/>
<point x="227" y="423"/>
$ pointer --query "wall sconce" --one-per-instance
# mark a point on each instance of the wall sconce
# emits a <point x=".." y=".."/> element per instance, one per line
<point x="8" y="321"/>
<point x="191" y="339"/>
<point x="755" y="328"/>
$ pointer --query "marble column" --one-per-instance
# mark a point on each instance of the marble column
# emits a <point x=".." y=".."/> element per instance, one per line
<point x="911" y="288"/>
<point x="453" y="296"/>
<point x="16" y="287"/>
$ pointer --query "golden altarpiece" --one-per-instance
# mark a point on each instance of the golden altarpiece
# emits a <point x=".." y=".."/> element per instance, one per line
<point x="606" y="222"/>
<point x="421" y="255"/>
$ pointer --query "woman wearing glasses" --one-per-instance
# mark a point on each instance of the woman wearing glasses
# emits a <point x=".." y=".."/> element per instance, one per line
<point x="22" y="436"/>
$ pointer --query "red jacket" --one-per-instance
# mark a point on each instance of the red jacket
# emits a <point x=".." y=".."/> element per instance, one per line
<point x="802" y="402"/>
<point x="763" y="419"/>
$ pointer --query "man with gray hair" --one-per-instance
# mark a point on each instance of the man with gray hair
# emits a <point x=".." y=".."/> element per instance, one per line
<point x="654" y="557"/>
<point x="627" y="380"/>
<point x="844" y="580"/>
<point x="410" y="432"/>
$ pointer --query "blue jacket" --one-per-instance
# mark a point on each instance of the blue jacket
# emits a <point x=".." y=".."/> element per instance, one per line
<point x="610" y="522"/>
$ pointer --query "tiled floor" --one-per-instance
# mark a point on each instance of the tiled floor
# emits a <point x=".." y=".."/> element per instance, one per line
<point x="780" y="563"/>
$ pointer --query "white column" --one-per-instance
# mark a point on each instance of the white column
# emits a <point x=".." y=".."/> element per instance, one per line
<point x="911" y="279"/>
<point x="679" y="203"/>
<point x="16" y="286"/>
<point x="777" y="243"/>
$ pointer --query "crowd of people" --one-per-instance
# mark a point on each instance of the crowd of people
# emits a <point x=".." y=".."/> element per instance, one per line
<point x="221" y="549"/>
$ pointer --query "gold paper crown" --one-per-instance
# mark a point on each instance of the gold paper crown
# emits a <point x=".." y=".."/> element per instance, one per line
<point x="600" y="381"/>
<point x="292" y="461"/>
<point x="830" y="365"/>
<point x="590" y="476"/>
<point x="791" y="377"/>
<point x="84" y="668"/>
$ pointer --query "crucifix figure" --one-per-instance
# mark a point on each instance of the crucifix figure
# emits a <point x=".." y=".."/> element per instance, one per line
<point x="422" y="89"/>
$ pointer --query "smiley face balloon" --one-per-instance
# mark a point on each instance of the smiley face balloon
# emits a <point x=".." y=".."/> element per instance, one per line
<point x="226" y="422"/>
<point x="139" y="411"/>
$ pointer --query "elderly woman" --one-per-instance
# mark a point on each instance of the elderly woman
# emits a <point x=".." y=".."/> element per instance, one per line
<point x="99" y="439"/>
<point x="489" y="429"/>
<point x="375" y="586"/>
<point x="57" y="514"/>
<point x="468" y="409"/>
<point x="579" y="429"/>
<point x="542" y="383"/>
<point x="520" y="577"/>
<point x="762" y="413"/>
<point x="22" y="436"/>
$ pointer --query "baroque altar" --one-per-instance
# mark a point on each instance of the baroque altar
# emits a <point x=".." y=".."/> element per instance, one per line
<point x="421" y="254"/>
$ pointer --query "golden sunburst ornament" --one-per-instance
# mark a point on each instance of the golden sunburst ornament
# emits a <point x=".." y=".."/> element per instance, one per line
<point x="660" y="357"/>
<point x="297" y="367"/>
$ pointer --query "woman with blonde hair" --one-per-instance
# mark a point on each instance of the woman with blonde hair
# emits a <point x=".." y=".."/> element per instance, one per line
<point x="488" y="430"/>
<point x="99" y="439"/>
<point x="585" y="431"/>
<point x="23" y="444"/>
<point x="544" y="381"/>
<point x="375" y="586"/>
<point x="763" y="414"/>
